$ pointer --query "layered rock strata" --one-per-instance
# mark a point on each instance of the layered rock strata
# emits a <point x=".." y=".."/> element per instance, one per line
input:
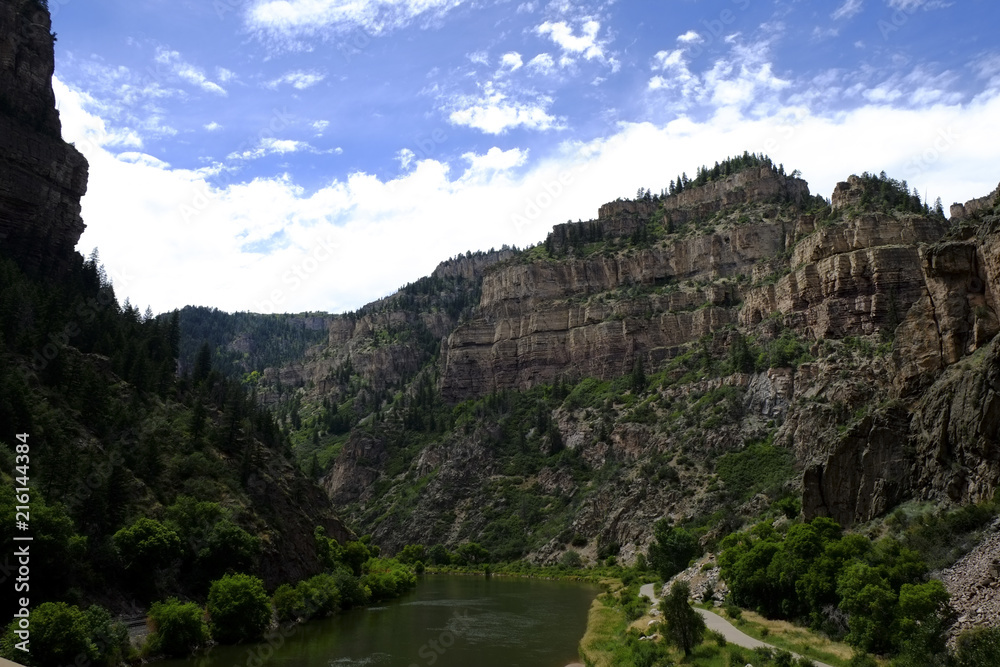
<point x="42" y="179"/>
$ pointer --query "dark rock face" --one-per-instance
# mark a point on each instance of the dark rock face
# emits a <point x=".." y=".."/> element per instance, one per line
<point x="42" y="178"/>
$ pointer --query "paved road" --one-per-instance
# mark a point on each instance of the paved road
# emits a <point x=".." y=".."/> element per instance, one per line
<point x="719" y="624"/>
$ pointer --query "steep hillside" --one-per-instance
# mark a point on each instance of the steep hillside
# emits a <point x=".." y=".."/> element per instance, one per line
<point x="111" y="440"/>
<point x="700" y="355"/>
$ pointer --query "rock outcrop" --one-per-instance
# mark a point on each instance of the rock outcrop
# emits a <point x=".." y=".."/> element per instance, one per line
<point x="42" y="179"/>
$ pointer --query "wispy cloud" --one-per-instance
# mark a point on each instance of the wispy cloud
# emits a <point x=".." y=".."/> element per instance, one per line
<point x="543" y="63"/>
<point x="913" y="5"/>
<point x="186" y="71"/>
<point x="298" y="79"/>
<point x="293" y="20"/>
<point x="272" y="146"/>
<point x="847" y="10"/>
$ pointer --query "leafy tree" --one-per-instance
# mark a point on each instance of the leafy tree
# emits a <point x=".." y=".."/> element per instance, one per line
<point x="683" y="626"/>
<point x="978" y="646"/>
<point x="472" y="554"/>
<point x="355" y="554"/>
<point x="870" y="601"/>
<point x="238" y="608"/>
<point x="439" y="555"/>
<point x="178" y="628"/>
<point x="320" y="595"/>
<point x="146" y="544"/>
<point x="353" y="592"/>
<point x="672" y="549"/>
<point x="227" y="548"/>
<point x="62" y="634"/>
<point x="412" y="553"/>
<point x="289" y="603"/>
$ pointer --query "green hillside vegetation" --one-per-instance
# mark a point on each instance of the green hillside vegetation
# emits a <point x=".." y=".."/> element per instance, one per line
<point x="144" y="484"/>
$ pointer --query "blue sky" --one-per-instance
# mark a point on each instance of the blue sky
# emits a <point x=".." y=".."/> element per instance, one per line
<point x="288" y="155"/>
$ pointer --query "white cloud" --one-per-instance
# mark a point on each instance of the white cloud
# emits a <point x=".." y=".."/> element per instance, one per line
<point x="511" y="61"/>
<point x="585" y="45"/>
<point x="847" y="10"/>
<point x="690" y="37"/>
<point x="743" y="78"/>
<point x="494" y="112"/>
<point x="224" y="75"/>
<point x="359" y="237"/>
<point x="292" y="20"/>
<point x="320" y="127"/>
<point x="495" y="159"/>
<point x="479" y="58"/>
<point x="186" y="71"/>
<point x="542" y="63"/>
<point x="213" y="126"/>
<point x="298" y="79"/>
<point x="270" y="146"/>
<point x="914" y="5"/>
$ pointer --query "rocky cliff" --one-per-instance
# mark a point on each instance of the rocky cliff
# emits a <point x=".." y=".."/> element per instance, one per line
<point x="41" y="177"/>
<point x="621" y="371"/>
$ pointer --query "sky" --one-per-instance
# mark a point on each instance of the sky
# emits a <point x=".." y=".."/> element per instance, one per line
<point x="315" y="155"/>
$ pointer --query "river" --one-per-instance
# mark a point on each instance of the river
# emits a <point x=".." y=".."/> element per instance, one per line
<point x="447" y="621"/>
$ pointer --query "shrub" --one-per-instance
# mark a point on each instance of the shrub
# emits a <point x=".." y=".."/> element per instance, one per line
<point x="978" y="646"/>
<point x="289" y="603"/>
<point x="62" y="634"/>
<point x="178" y="627"/>
<point x="320" y="596"/>
<point x="571" y="559"/>
<point x="238" y="608"/>
<point x="146" y="544"/>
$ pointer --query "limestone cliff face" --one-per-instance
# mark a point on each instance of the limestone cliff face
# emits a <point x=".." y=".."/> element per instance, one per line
<point x="42" y="179"/>
<point x="936" y="437"/>
<point x="897" y="310"/>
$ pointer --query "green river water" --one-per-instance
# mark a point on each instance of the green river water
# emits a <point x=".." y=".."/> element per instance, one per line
<point x="448" y="621"/>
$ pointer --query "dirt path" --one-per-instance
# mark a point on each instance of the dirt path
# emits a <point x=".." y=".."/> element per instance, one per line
<point x="721" y="625"/>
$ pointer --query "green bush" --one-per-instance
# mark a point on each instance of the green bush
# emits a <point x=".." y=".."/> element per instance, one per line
<point x="178" y="628"/>
<point x="978" y="646"/>
<point x="289" y="603"/>
<point x="353" y="592"/>
<point x="62" y="634"/>
<point x="146" y="544"/>
<point x="571" y="559"/>
<point x="387" y="578"/>
<point x="320" y="595"/>
<point x="238" y="608"/>
<point x="758" y="467"/>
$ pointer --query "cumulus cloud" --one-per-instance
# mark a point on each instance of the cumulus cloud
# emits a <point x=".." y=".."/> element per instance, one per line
<point x="574" y="46"/>
<point x="192" y="236"/>
<point x="511" y="62"/>
<point x="744" y="77"/>
<point x="494" y="111"/>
